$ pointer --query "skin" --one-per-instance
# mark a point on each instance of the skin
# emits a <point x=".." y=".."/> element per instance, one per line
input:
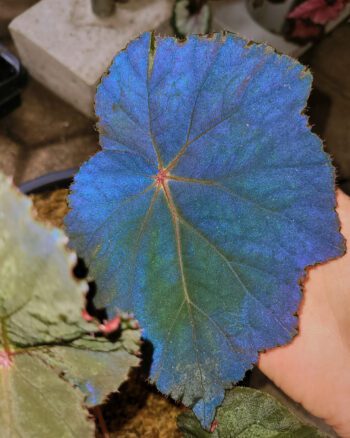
<point x="314" y="369"/>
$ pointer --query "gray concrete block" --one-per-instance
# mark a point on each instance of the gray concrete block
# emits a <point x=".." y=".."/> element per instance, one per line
<point x="43" y="118"/>
<point x="64" y="47"/>
<point x="59" y="156"/>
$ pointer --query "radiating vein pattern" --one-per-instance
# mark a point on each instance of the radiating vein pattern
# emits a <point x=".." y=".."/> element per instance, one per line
<point x="209" y="199"/>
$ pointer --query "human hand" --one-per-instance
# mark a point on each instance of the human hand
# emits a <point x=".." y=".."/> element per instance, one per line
<point x="314" y="369"/>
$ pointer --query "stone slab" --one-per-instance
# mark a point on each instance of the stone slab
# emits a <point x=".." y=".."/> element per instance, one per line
<point x="42" y="118"/>
<point x="58" y="156"/>
<point x="66" y="51"/>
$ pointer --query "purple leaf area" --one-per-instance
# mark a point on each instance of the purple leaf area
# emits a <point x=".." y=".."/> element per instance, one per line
<point x="209" y="199"/>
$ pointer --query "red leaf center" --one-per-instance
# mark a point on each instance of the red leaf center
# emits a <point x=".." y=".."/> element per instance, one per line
<point x="161" y="176"/>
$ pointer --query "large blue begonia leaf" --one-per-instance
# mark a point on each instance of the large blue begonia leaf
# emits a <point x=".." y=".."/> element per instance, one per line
<point x="209" y="199"/>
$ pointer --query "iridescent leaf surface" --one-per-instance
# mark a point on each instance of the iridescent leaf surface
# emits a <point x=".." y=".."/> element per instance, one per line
<point x="249" y="413"/>
<point x="207" y="202"/>
<point x="51" y="363"/>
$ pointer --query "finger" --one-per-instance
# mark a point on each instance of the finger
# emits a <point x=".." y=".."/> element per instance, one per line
<point x="314" y="369"/>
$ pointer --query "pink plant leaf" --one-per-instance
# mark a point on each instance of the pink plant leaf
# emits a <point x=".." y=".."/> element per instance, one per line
<point x="318" y="11"/>
<point x="304" y="30"/>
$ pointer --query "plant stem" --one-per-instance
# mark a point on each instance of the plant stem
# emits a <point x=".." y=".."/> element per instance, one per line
<point x="101" y="421"/>
<point x="103" y="8"/>
<point x="4" y="337"/>
<point x="195" y="6"/>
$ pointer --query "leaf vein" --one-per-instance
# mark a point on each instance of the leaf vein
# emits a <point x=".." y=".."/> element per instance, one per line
<point x="268" y="210"/>
<point x="219" y="328"/>
<point x="108" y="217"/>
<point x="233" y="271"/>
<point x="151" y="55"/>
<point x="167" y="340"/>
<point x="240" y="90"/>
<point x="175" y="219"/>
<point x="138" y="239"/>
<point x="200" y="88"/>
<point x="248" y="200"/>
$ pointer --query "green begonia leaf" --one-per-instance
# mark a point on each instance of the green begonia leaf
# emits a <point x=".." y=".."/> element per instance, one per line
<point x="96" y="365"/>
<point x="52" y="364"/>
<point x="36" y="402"/>
<point x="249" y="413"/>
<point x="35" y="272"/>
